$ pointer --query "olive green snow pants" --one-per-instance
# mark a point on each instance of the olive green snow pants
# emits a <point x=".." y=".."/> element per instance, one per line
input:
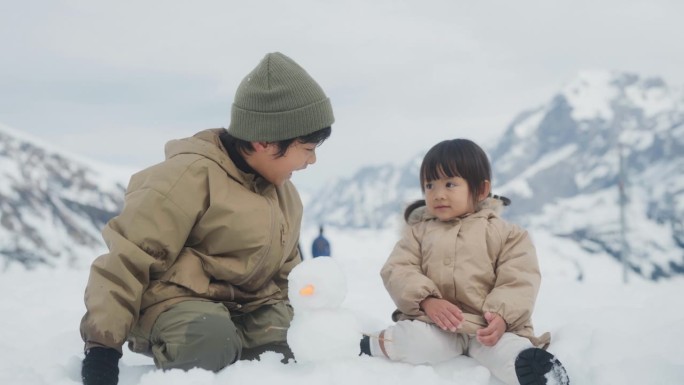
<point x="201" y="334"/>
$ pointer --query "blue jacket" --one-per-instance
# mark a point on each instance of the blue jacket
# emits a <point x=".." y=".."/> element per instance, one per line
<point x="320" y="247"/>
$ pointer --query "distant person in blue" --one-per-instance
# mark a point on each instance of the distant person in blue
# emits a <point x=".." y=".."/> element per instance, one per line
<point x="320" y="246"/>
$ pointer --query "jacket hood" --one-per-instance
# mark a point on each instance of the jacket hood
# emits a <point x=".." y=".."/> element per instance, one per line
<point x="208" y="145"/>
<point x="421" y="214"/>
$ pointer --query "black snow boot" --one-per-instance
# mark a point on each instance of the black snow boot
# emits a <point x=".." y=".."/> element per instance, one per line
<point x="536" y="366"/>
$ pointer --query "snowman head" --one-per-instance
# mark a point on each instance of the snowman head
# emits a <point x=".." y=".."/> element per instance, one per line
<point x="317" y="283"/>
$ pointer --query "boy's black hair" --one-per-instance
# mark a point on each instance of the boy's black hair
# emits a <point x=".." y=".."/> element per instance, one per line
<point x="245" y="147"/>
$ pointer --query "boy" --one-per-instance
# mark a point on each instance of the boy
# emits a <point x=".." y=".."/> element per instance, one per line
<point x="196" y="273"/>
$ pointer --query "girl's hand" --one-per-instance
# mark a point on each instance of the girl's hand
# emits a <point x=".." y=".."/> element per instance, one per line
<point x="443" y="313"/>
<point x="491" y="334"/>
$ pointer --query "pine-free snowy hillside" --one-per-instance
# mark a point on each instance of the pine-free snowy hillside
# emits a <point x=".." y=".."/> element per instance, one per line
<point x="52" y="205"/>
<point x="373" y="198"/>
<point x="559" y="164"/>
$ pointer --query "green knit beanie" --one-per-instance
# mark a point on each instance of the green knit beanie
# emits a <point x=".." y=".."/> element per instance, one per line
<point x="278" y="100"/>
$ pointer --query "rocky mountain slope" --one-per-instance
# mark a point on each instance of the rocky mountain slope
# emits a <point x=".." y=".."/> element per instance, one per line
<point x="52" y="204"/>
<point x="559" y="163"/>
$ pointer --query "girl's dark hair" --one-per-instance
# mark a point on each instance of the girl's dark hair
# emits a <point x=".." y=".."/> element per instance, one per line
<point x="411" y="207"/>
<point x="243" y="146"/>
<point x="457" y="158"/>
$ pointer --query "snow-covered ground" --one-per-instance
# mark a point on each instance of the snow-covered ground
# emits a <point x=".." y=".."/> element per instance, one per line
<point x="604" y="331"/>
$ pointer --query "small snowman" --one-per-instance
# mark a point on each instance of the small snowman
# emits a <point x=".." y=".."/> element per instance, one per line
<point x="320" y="329"/>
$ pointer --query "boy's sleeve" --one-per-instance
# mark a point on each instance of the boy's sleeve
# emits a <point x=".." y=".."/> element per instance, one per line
<point x="144" y="239"/>
<point x="403" y="276"/>
<point x="517" y="279"/>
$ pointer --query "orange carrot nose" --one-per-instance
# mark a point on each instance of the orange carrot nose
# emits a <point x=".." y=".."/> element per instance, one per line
<point x="307" y="290"/>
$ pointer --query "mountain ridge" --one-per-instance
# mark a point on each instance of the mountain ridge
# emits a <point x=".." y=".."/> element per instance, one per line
<point x="559" y="163"/>
<point x="53" y="204"/>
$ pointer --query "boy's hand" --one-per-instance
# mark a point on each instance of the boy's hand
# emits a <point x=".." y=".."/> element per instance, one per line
<point x="491" y="334"/>
<point x="443" y="313"/>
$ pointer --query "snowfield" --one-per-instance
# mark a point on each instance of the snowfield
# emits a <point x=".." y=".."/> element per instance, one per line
<point x="604" y="331"/>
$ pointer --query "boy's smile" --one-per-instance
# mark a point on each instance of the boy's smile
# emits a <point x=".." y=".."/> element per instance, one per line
<point x="278" y="170"/>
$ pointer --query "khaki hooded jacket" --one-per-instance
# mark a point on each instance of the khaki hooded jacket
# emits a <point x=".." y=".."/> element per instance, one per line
<point x="480" y="263"/>
<point x="193" y="227"/>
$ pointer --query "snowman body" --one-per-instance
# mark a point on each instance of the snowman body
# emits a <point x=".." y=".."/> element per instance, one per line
<point x="321" y="330"/>
<point x="323" y="335"/>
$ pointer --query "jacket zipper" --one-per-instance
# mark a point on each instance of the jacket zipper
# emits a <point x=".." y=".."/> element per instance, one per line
<point x="262" y="258"/>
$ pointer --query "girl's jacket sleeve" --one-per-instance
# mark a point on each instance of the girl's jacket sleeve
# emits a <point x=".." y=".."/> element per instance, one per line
<point x="517" y="277"/>
<point x="403" y="277"/>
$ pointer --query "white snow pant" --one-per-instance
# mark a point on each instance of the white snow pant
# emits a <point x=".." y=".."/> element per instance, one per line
<point x="417" y="342"/>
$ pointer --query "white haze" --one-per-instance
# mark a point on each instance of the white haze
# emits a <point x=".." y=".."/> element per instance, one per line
<point x="115" y="80"/>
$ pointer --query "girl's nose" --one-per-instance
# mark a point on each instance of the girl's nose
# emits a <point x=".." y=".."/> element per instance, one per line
<point x="438" y="193"/>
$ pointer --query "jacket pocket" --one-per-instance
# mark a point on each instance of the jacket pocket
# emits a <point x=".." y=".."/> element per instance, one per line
<point x="269" y="290"/>
<point x="188" y="272"/>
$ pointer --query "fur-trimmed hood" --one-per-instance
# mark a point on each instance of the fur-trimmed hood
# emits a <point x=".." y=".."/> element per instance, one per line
<point x="421" y="214"/>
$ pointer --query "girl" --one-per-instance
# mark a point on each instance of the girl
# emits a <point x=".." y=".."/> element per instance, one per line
<point x="463" y="279"/>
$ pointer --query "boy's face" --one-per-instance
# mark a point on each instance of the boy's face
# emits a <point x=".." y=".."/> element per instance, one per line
<point x="278" y="170"/>
<point x="448" y="198"/>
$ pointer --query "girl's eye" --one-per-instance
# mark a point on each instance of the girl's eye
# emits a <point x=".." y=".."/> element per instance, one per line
<point x="449" y="185"/>
<point x="428" y="186"/>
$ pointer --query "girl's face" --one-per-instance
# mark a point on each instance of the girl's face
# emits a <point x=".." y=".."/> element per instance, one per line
<point x="448" y="198"/>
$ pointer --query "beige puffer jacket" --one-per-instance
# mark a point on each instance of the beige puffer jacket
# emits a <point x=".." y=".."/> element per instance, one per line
<point x="479" y="262"/>
<point x="192" y="227"/>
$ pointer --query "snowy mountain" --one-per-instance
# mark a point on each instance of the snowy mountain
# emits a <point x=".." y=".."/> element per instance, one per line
<point x="53" y="205"/>
<point x="373" y="198"/>
<point x="558" y="162"/>
<point x="560" y="165"/>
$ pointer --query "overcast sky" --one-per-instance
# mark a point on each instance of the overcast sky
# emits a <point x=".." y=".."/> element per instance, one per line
<point x="115" y="80"/>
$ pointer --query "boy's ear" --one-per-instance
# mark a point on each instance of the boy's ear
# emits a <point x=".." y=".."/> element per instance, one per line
<point x="260" y="146"/>
<point x="485" y="189"/>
